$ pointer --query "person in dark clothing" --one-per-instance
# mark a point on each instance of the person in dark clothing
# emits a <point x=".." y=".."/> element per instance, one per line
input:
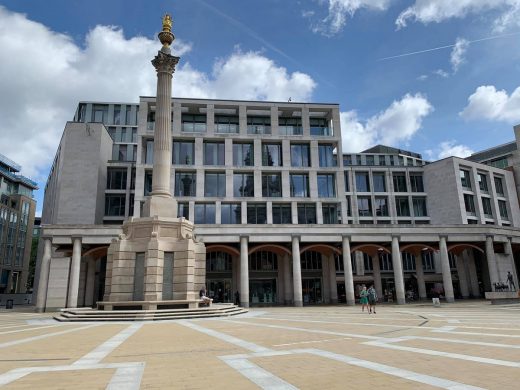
<point x="237" y="298"/>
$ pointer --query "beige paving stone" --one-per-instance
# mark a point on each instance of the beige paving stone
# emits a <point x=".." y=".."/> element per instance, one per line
<point x="64" y="380"/>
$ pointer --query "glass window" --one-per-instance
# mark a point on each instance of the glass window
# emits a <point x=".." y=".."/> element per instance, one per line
<point x="486" y="205"/>
<point x="215" y="184"/>
<point x="369" y="160"/>
<point x="205" y="213"/>
<point x="193" y="123"/>
<point x="227" y="124"/>
<point x="364" y="206"/>
<point x="185" y="183"/>
<point x="256" y="213"/>
<point x="183" y="210"/>
<point x="300" y="185"/>
<point x="117" y="114"/>
<point x="214" y="153"/>
<point x="379" y="182"/>
<point x="381" y="206"/>
<point x="129" y="118"/>
<point x="243" y="185"/>
<point x="499" y="188"/>
<point x="271" y="185"/>
<point x="347" y="160"/>
<point x="319" y="126"/>
<point x="469" y="204"/>
<point x="218" y="262"/>
<point x="326" y="155"/>
<point x="271" y="155"/>
<point x="402" y="206"/>
<point x="416" y="182"/>
<point x="115" y="205"/>
<point x="419" y="207"/>
<point x="358" y="160"/>
<point x="290" y="126"/>
<point x="482" y="182"/>
<point x="382" y="160"/>
<point x="99" y="113"/>
<point x="148" y="159"/>
<point x="243" y="155"/>
<point x="116" y="178"/>
<point x="311" y="260"/>
<point x="148" y="183"/>
<point x="347" y="183"/>
<point x="502" y="206"/>
<point x="306" y="213"/>
<point x="263" y="261"/>
<point x="464" y="179"/>
<point x="259" y="125"/>
<point x="362" y="182"/>
<point x="282" y="213"/>
<point x="230" y="213"/>
<point x="326" y="186"/>
<point x="300" y="155"/>
<point x="330" y="213"/>
<point x="122" y="152"/>
<point x="399" y="182"/>
<point x="183" y="152"/>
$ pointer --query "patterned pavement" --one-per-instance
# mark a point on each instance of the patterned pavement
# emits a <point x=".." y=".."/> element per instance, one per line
<point x="467" y="345"/>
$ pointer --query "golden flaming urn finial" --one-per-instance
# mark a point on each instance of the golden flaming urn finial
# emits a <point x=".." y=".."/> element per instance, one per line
<point x="165" y="36"/>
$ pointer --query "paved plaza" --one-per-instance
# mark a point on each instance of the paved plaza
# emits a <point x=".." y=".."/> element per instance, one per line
<point x="468" y="345"/>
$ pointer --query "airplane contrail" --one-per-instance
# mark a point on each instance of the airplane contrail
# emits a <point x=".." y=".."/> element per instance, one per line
<point x="446" y="46"/>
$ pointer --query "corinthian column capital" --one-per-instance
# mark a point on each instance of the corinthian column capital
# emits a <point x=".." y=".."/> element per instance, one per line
<point x="164" y="62"/>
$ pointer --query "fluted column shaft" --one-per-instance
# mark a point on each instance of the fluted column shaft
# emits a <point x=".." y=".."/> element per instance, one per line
<point x="44" y="276"/>
<point x="72" y="300"/>
<point x="347" y="267"/>
<point x="297" y="272"/>
<point x="398" y="272"/>
<point x="244" y="272"/>
<point x="446" y="271"/>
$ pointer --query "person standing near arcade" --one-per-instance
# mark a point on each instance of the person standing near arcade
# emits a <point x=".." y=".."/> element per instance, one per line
<point x="363" y="295"/>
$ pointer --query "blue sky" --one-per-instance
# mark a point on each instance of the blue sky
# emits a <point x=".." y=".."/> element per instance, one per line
<point x="450" y="101"/>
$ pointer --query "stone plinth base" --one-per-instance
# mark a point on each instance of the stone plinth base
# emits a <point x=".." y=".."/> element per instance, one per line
<point x="155" y="259"/>
<point x="163" y="206"/>
<point x="503" y="297"/>
<point x="152" y="305"/>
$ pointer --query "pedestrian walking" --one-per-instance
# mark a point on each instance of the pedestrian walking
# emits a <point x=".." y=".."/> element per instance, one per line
<point x="363" y="295"/>
<point x="372" y="299"/>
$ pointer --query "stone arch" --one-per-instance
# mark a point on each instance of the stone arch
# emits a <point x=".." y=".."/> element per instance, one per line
<point x="457" y="249"/>
<point x="416" y="249"/>
<point x="275" y="248"/>
<point x="96" y="252"/>
<point x="222" y="248"/>
<point x="370" y="249"/>
<point x="324" y="249"/>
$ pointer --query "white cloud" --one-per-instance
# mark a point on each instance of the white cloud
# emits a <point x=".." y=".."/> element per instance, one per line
<point x="340" y="10"/>
<point x="422" y="77"/>
<point x="458" y="53"/>
<point x="488" y="103"/>
<point x="398" y="123"/>
<point x="441" y="73"/>
<point x="46" y="76"/>
<point x="451" y="148"/>
<point x="427" y="11"/>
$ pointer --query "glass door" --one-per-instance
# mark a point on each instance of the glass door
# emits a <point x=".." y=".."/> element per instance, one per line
<point x="262" y="291"/>
<point x="311" y="291"/>
<point x="220" y="290"/>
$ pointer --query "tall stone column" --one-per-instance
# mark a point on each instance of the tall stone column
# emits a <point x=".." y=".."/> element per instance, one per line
<point x="463" y="277"/>
<point x="347" y="266"/>
<point x="161" y="202"/>
<point x="376" y="272"/>
<point x="89" y="285"/>
<point x="491" y="261"/>
<point x="469" y="259"/>
<point x="75" y="265"/>
<point x="244" y="272"/>
<point x="446" y="271"/>
<point x="297" y="272"/>
<point x="398" y="271"/>
<point x="43" y="283"/>
<point x="419" y="273"/>
<point x="333" y="283"/>
<point x="509" y="251"/>
<point x="287" y="279"/>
